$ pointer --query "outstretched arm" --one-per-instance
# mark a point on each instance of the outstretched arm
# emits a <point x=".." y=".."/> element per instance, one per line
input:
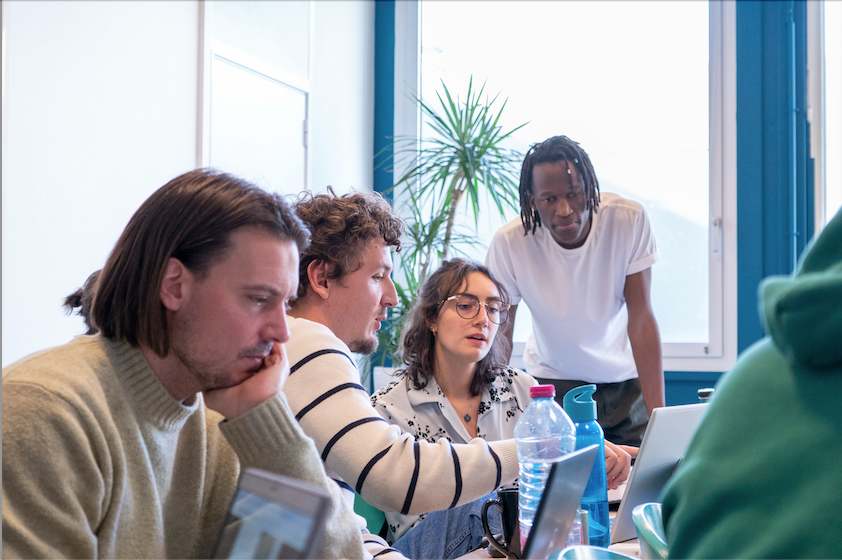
<point x="388" y="467"/>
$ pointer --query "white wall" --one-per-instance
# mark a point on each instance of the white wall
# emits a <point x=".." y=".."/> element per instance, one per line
<point x="100" y="108"/>
<point x="96" y="116"/>
<point x="342" y="96"/>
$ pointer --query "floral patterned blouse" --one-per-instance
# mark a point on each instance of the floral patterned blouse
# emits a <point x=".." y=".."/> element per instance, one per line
<point x="427" y="414"/>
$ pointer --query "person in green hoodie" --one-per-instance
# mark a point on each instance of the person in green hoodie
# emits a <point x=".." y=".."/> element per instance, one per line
<point x="761" y="478"/>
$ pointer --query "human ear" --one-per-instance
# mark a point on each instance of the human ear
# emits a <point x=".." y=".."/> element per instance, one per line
<point x="317" y="277"/>
<point x="176" y="285"/>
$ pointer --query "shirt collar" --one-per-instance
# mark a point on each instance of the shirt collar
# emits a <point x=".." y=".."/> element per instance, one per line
<point x="499" y="389"/>
<point x="431" y="393"/>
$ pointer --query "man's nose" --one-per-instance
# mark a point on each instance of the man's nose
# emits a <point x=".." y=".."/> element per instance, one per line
<point x="277" y="329"/>
<point x="563" y="208"/>
<point x="390" y="294"/>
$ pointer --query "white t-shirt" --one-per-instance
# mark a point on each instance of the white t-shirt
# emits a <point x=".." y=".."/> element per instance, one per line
<point x="579" y="315"/>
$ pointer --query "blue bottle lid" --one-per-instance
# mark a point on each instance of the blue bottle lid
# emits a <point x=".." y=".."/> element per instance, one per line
<point x="579" y="403"/>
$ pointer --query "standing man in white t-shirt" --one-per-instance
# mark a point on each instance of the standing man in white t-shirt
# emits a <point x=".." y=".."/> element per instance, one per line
<point x="582" y="263"/>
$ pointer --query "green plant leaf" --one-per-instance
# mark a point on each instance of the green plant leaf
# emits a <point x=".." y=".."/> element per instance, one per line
<point x="463" y="159"/>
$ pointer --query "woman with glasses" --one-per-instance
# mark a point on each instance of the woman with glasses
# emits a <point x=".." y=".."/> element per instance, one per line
<point x="456" y="385"/>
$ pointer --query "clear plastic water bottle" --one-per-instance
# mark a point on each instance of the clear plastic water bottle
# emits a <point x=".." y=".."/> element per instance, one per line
<point x="544" y="434"/>
<point x="578" y="529"/>
<point x="574" y="537"/>
<point x="580" y="406"/>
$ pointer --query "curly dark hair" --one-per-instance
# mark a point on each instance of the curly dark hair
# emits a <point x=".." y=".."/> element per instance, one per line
<point x="418" y="340"/>
<point x="340" y="227"/>
<point x="551" y="150"/>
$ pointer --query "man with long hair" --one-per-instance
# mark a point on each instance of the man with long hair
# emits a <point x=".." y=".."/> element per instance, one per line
<point x="582" y="262"/>
<point x="129" y="442"/>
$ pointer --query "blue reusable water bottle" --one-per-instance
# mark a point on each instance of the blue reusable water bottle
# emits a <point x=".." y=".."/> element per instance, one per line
<point x="580" y="406"/>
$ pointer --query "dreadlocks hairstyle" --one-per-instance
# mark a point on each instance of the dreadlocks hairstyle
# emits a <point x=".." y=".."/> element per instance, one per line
<point x="551" y="150"/>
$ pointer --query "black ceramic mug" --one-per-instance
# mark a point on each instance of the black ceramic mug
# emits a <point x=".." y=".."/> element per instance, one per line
<point x="507" y="502"/>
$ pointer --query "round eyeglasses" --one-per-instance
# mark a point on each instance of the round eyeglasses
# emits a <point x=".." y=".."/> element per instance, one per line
<point x="467" y="307"/>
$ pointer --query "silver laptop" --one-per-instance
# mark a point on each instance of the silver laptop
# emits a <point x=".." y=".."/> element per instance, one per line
<point x="664" y="443"/>
<point x="559" y="503"/>
<point x="272" y="516"/>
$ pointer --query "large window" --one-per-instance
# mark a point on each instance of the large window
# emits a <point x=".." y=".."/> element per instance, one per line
<point x="640" y="86"/>
<point x="825" y="75"/>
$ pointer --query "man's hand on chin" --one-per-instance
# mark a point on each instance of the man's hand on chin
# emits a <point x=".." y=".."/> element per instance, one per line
<point x="261" y="386"/>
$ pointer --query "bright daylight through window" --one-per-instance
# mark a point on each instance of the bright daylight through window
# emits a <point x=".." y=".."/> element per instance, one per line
<point x="833" y="107"/>
<point x="631" y="83"/>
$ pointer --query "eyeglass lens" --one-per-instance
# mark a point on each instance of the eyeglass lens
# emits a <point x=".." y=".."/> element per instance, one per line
<point x="467" y="307"/>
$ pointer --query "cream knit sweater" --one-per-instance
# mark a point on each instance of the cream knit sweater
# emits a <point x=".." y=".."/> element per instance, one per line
<point x="100" y="461"/>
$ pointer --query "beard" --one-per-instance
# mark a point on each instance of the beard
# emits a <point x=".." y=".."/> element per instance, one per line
<point x="203" y="367"/>
<point x="202" y="372"/>
<point x="364" y="346"/>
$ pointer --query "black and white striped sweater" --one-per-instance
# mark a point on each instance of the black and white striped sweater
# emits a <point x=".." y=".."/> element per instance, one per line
<point x="365" y="454"/>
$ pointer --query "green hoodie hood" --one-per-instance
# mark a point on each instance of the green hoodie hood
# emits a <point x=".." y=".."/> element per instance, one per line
<point x="803" y="313"/>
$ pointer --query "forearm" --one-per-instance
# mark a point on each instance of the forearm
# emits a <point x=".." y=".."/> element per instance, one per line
<point x="387" y="466"/>
<point x="507" y="332"/>
<point x="269" y="437"/>
<point x="396" y="472"/>
<point x="646" y="348"/>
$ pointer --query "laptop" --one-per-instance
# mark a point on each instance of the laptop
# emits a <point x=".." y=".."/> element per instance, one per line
<point x="272" y="516"/>
<point x="559" y="503"/>
<point x="664" y="442"/>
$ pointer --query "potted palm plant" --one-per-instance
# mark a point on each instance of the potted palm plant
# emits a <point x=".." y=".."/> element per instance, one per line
<point x="462" y="160"/>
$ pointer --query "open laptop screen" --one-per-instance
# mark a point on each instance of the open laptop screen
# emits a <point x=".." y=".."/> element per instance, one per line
<point x="665" y="440"/>
<point x="272" y="516"/>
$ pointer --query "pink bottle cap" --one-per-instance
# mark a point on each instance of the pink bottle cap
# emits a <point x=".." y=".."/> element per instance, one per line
<point x="538" y="391"/>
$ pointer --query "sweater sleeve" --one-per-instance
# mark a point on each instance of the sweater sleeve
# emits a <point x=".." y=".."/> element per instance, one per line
<point x="267" y="437"/>
<point x="387" y="466"/>
<point x="53" y="482"/>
